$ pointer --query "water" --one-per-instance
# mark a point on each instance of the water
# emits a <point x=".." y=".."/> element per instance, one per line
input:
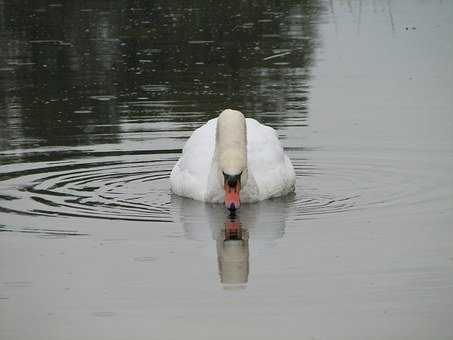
<point x="97" y="100"/>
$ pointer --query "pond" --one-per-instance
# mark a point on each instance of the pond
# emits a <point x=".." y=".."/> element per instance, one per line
<point x="97" y="99"/>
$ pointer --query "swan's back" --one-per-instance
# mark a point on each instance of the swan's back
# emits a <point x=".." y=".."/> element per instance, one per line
<point x="189" y="177"/>
<point x="271" y="170"/>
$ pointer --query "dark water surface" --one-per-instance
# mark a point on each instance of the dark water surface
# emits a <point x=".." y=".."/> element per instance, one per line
<point x="96" y="101"/>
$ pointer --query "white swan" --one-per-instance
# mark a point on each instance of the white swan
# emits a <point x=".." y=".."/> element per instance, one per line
<point x="232" y="159"/>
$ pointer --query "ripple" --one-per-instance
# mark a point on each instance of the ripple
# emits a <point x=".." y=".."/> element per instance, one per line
<point x="145" y="259"/>
<point x="121" y="189"/>
<point x="18" y="284"/>
<point x="104" y="314"/>
<point x="336" y="183"/>
<point x="135" y="187"/>
<point x="41" y="232"/>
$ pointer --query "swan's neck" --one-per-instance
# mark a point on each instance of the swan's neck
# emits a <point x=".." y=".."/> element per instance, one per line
<point x="231" y="142"/>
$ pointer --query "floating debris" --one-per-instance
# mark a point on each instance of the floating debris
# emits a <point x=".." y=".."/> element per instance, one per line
<point x="199" y="42"/>
<point x="52" y="42"/>
<point x="18" y="63"/>
<point x="103" y="98"/>
<point x="154" y="88"/>
<point x="277" y="55"/>
<point x="248" y="25"/>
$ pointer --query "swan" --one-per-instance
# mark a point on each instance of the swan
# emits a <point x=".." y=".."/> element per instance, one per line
<point x="233" y="159"/>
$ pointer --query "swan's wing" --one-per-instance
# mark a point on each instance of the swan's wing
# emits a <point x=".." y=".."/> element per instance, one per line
<point x="267" y="161"/>
<point x="189" y="176"/>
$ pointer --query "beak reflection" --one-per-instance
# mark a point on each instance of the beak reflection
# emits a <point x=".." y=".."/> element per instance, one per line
<point x="233" y="254"/>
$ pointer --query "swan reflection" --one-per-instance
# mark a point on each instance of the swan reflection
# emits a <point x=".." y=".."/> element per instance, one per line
<point x="233" y="253"/>
<point x="239" y="238"/>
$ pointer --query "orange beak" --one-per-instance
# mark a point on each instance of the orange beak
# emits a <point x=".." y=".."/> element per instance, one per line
<point x="232" y="200"/>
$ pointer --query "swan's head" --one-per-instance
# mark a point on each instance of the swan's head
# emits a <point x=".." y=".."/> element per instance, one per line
<point x="231" y="139"/>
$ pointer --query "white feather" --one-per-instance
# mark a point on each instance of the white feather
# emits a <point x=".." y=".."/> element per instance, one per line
<point x="198" y="173"/>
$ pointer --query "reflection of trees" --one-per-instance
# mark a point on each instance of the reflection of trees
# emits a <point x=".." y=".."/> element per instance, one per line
<point x="226" y="54"/>
<point x="63" y="58"/>
<point x="253" y="55"/>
